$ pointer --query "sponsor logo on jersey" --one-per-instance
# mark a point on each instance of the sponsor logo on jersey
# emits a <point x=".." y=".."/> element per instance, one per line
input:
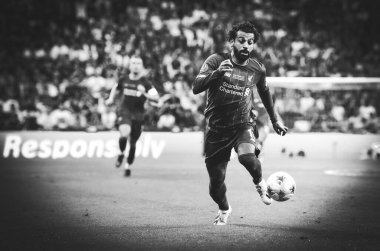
<point x="232" y="89"/>
<point x="238" y="77"/>
<point x="229" y="91"/>
<point x="231" y="86"/>
<point x="133" y="93"/>
<point x="234" y="76"/>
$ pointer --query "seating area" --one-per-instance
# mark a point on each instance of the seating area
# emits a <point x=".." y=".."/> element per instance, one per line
<point x="62" y="57"/>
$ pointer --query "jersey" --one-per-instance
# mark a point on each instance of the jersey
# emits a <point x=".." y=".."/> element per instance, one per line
<point x="133" y="99"/>
<point x="230" y="96"/>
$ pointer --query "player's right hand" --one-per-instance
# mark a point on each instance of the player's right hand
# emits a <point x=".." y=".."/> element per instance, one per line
<point x="225" y="66"/>
<point x="279" y="128"/>
<point x="109" y="101"/>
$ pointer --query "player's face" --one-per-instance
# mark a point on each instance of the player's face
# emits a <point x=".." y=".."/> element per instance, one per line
<point x="243" y="45"/>
<point x="135" y="65"/>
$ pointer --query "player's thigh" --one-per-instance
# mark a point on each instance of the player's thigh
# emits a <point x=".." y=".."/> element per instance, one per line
<point x="244" y="148"/>
<point x="218" y="147"/>
<point x="125" y="130"/>
<point x="245" y="142"/>
<point x="217" y="170"/>
<point x="124" y="124"/>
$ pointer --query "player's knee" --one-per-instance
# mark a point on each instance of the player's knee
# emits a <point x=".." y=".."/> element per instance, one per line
<point x="217" y="188"/>
<point x="124" y="130"/>
<point x="217" y="174"/>
<point x="249" y="160"/>
<point x="216" y="182"/>
<point x="124" y="133"/>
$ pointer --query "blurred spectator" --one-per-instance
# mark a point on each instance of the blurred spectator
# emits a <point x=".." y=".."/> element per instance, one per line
<point x="9" y="116"/>
<point x="62" y="119"/>
<point x="306" y="101"/>
<point x="68" y="54"/>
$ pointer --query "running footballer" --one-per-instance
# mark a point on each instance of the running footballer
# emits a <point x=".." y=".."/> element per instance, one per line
<point x="229" y="80"/>
<point x="135" y="89"/>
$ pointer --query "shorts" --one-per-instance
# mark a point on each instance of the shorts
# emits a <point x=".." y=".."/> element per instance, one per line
<point x="136" y="125"/>
<point x="218" y="145"/>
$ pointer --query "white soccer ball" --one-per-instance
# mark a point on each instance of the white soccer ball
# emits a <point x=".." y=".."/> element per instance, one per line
<point x="281" y="186"/>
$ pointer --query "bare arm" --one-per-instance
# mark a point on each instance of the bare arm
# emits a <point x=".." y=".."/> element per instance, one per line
<point x="267" y="100"/>
<point x="112" y="95"/>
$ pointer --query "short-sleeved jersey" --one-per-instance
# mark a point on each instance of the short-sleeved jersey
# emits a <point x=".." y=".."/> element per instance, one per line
<point x="230" y="97"/>
<point x="133" y="100"/>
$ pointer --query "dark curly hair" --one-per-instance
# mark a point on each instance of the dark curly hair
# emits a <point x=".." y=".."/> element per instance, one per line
<point x="245" y="26"/>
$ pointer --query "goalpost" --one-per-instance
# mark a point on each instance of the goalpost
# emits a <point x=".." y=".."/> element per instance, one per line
<point x="324" y="104"/>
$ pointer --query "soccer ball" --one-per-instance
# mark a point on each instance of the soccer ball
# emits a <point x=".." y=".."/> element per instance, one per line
<point x="281" y="186"/>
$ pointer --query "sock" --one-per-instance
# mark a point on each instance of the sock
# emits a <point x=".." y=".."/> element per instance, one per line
<point x="131" y="155"/>
<point x="253" y="166"/>
<point x="122" y="144"/>
<point x="217" y="187"/>
<point x="257" y="181"/>
<point x="224" y="206"/>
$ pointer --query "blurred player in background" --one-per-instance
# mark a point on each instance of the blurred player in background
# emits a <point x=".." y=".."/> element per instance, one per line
<point x="229" y="79"/>
<point x="135" y="90"/>
<point x="261" y="121"/>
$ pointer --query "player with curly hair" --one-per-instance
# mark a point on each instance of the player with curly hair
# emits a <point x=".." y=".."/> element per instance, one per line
<point x="229" y="80"/>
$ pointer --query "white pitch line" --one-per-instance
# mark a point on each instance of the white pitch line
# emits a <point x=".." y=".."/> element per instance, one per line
<point x="343" y="173"/>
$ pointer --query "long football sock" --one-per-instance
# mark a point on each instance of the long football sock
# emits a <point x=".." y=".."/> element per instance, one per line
<point x="253" y="166"/>
<point x="217" y="187"/>
<point x="131" y="155"/>
<point x="122" y="144"/>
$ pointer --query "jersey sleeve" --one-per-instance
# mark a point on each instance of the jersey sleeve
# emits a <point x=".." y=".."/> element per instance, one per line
<point x="147" y="84"/>
<point x="151" y="91"/>
<point x="208" y="74"/>
<point x="119" y="84"/>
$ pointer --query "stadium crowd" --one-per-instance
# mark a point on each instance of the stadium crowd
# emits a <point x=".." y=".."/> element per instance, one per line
<point x="63" y="57"/>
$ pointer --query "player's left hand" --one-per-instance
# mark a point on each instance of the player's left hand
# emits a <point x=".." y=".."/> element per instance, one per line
<point x="279" y="128"/>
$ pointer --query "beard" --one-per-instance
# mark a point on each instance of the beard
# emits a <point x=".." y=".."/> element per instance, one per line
<point x="241" y="56"/>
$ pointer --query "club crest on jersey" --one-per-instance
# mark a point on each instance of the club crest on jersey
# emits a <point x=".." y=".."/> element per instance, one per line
<point x="204" y="68"/>
<point x="250" y="77"/>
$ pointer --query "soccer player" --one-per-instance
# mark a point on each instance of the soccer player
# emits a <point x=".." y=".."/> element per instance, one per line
<point x="229" y="80"/>
<point x="135" y="90"/>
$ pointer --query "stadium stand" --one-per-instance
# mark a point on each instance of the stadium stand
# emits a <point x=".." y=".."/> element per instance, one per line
<point x="61" y="58"/>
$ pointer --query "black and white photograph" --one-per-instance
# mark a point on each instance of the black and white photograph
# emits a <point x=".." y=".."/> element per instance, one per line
<point x="189" y="125"/>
